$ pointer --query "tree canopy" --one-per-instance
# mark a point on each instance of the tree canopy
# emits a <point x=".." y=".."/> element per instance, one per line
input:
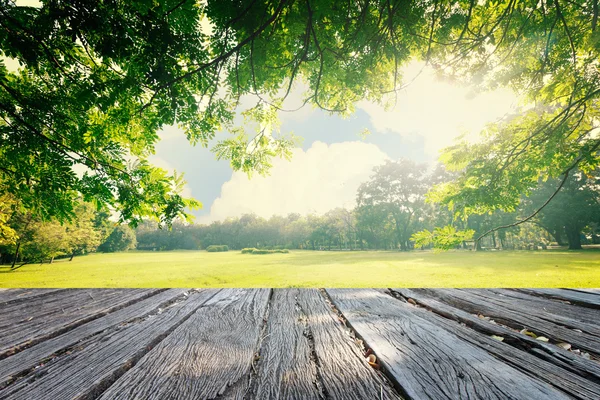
<point x="99" y="79"/>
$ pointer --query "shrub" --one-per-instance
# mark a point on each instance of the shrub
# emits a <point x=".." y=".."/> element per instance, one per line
<point x="261" y="251"/>
<point x="267" y="251"/>
<point x="217" y="248"/>
<point x="248" y="250"/>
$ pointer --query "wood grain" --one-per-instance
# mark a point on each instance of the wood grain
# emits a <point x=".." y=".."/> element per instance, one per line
<point x="584" y="318"/>
<point x="98" y="361"/>
<point x="9" y="296"/>
<point x="308" y="354"/>
<point x="29" y="358"/>
<point x="570" y="373"/>
<point x="511" y="314"/>
<point x="428" y="361"/>
<point x="24" y="324"/>
<point x="211" y="351"/>
<point x="582" y="297"/>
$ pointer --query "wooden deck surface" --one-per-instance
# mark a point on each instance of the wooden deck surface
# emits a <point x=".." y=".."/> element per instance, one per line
<point x="299" y="344"/>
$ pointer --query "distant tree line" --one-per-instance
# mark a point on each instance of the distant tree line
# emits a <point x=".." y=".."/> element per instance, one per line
<point x="392" y="212"/>
<point x="391" y="207"/>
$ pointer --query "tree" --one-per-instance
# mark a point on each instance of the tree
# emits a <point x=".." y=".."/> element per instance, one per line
<point x="82" y="233"/>
<point x="374" y="226"/>
<point x="297" y="233"/>
<point x="399" y="188"/>
<point x="46" y="240"/>
<point x="8" y="235"/>
<point x="122" y="238"/>
<point x="574" y="208"/>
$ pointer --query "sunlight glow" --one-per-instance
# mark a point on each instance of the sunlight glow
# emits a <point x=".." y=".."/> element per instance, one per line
<point x="439" y="110"/>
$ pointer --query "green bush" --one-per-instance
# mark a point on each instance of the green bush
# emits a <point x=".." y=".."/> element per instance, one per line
<point x="248" y="250"/>
<point x="217" y="248"/>
<point x="267" y="251"/>
<point x="261" y="251"/>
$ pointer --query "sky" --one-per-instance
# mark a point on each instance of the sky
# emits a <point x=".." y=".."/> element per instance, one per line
<point x="333" y="159"/>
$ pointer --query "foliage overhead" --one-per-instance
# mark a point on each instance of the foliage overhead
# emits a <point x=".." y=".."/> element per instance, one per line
<point x="98" y="80"/>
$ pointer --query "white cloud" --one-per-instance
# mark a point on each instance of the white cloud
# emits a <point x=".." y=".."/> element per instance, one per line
<point x="440" y="111"/>
<point x="316" y="180"/>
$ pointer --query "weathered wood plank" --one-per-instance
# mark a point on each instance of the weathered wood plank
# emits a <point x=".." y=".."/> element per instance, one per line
<point x="582" y="298"/>
<point x="27" y="323"/>
<point x="98" y="361"/>
<point x="584" y="318"/>
<point x="307" y="354"/>
<point x="512" y="315"/>
<point x="570" y="373"/>
<point x="8" y="296"/>
<point x="563" y="358"/>
<point x="592" y="291"/>
<point x="212" y="350"/>
<point x="568" y="315"/>
<point x="283" y="373"/>
<point x="428" y="361"/>
<point x="29" y="358"/>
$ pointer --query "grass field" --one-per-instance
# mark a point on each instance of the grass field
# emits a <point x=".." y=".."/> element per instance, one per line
<point x="551" y="268"/>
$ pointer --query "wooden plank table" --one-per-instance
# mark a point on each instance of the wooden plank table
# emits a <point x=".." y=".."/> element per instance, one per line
<point x="299" y="344"/>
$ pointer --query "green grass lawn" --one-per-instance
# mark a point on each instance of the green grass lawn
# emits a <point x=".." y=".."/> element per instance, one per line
<point x="551" y="268"/>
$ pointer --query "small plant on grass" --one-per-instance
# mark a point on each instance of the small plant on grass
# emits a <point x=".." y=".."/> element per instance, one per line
<point x="442" y="239"/>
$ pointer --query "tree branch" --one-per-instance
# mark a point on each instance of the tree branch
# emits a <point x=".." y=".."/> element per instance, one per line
<point x="595" y="15"/>
<point x="567" y="31"/>
<point x="218" y="59"/>
<point x="536" y="212"/>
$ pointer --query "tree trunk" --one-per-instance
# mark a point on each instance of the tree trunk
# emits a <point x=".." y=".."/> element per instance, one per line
<point x="72" y="257"/>
<point x="574" y="238"/>
<point x="16" y="255"/>
<point x="558" y="237"/>
<point x="51" y="260"/>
